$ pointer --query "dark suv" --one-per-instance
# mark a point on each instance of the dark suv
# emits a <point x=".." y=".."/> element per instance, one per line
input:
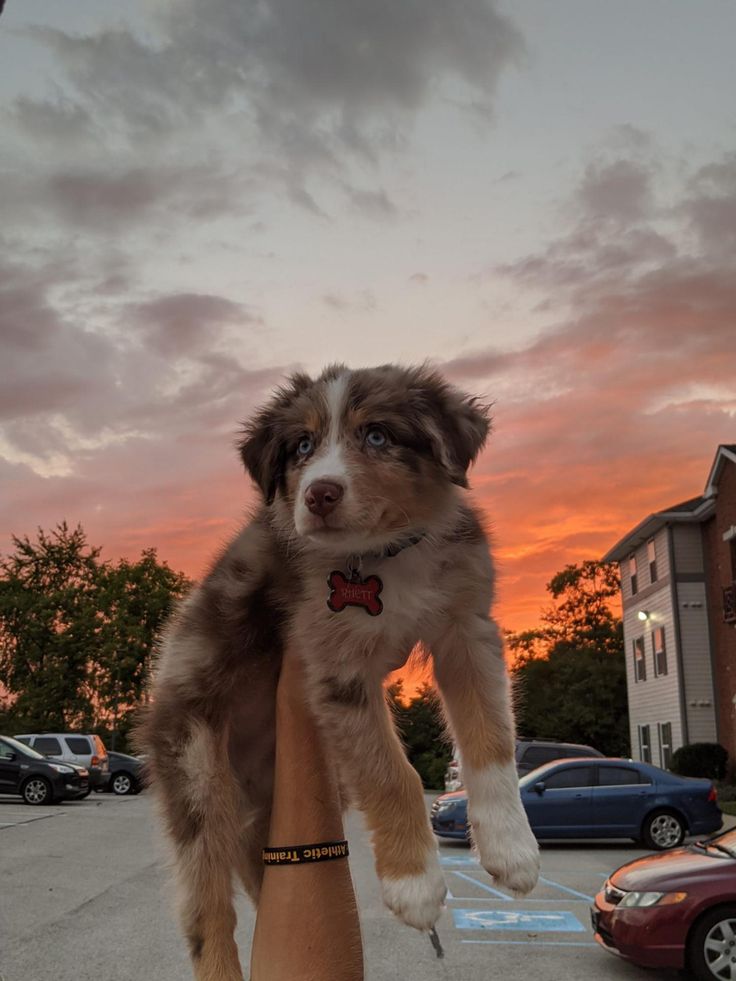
<point x="27" y="774"/>
<point x="531" y="753"/>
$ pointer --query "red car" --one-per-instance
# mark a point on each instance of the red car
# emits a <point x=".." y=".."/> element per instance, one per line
<point x="675" y="909"/>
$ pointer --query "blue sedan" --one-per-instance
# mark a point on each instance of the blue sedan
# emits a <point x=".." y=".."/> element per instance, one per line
<point x="601" y="798"/>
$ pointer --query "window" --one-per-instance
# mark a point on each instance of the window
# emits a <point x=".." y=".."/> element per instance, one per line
<point x="78" y="745"/>
<point x="640" y="662"/>
<point x="632" y="575"/>
<point x="652" y="559"/>
<point x="570" y="776"/>
<point x="26" y="740"/>
<point x="536" y="755"/>
<point x="617" y="776"/>
<point x="660" y="651"/>
<point x="645" y="746"/>
<point x="48" y="745"/>
<point x="665" y="744"/>
<point x="6" y="752"/>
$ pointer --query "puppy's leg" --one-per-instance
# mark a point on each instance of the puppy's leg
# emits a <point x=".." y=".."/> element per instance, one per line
<point x="472" y="676"/>
<point x="363" y="742"/>
<point x="199" y="799"/>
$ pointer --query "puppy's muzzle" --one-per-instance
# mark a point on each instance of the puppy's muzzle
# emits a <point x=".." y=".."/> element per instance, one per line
<point x="323" y="496"/>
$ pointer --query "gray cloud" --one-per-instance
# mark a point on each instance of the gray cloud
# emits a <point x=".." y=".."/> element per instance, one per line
<point x="315" y="79"/>
<point x="362" y="302"/>
<point x="619" y="191"/>
<point x="641" y="355"/>
<point x="182" y="323"/>
<point x="711" y="206"/>
<point x="72" y="385"/>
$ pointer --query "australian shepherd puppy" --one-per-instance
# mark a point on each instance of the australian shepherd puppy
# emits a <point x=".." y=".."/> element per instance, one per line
<point x="364" y="546"/>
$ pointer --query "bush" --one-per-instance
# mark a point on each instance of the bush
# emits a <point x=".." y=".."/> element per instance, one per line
<point x="727" y="793"/>
<point x="700" y="760"/>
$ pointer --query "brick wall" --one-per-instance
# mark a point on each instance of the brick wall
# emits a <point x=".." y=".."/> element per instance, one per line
<point x="719" y="573"/>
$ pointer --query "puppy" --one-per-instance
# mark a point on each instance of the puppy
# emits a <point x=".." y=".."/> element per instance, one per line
<point x="364" y="546"/>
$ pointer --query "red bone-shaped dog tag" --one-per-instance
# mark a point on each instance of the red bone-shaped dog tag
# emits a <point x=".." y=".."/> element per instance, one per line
<point x="354" y="592"/>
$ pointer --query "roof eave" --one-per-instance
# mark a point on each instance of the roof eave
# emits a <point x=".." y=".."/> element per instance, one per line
<point x="723" y="453"/>
<point x="647" y="528"/>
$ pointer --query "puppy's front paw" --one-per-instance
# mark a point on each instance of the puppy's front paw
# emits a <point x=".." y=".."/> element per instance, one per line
<point x="417" y="900"/>
<point x="510" y="854"/>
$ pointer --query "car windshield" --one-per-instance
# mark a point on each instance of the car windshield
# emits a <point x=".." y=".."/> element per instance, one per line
<point x="22" y="748"/>
<point x="721" y="843"/>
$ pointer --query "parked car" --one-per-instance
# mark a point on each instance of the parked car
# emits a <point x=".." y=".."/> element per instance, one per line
<point x="530" y="753"/>
<point x="674" y="911"/>
<point x="601" y="798"/>
<point x="27" y="774"/>
<point x="126" y="773"/>
<point x="73" y="747"/>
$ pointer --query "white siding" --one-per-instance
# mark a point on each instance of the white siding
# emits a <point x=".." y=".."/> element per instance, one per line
<point x="696" y="663"/>
<point x="688" y="546"/>
<point x="642" y="565"/>
<point x="658" y="698"/>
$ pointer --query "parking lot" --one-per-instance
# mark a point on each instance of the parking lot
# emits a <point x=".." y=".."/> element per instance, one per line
<point x="85" y="895"/>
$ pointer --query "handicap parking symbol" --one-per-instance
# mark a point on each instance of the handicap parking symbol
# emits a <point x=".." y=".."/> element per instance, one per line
<point x="532" y="921"/>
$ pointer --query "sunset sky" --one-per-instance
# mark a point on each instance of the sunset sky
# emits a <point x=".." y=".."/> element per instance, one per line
<point x="198" y="197"/>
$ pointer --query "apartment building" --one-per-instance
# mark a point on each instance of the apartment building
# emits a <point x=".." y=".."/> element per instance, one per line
<point x="678" y="573"/>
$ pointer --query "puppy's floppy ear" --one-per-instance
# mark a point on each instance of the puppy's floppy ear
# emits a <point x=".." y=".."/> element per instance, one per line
<point x="263" y="447"/>
<point x="457" y="424"/>
<point x="465" y="428"/>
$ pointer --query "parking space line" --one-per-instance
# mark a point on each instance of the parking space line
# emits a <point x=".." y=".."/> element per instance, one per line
<point x="527" y="899"/>
<point x="482" y="885"/>
<point x="573" y="892"/>
<point x="29" y="820"/>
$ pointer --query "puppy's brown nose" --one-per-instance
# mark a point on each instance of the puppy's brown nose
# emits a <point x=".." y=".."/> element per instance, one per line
<point x="322" y="496"/>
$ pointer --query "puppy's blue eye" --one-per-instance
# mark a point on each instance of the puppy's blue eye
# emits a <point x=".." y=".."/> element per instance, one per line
<point x="304" y="447"/>
<point x="376" y="437"/>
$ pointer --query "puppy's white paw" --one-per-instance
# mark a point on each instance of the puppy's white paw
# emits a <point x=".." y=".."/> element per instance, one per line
<point x="417" y="900"/>
<point x="510" y="854"/>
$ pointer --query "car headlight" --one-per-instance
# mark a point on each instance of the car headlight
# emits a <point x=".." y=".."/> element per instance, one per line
<point x="448" y="805"/>
<point x="61" y="769"/>
<point x="652" y="899"/>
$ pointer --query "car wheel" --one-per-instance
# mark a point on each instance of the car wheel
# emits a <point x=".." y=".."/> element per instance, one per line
<point x="37" y="790"/>
<point x="122" y="783"/>
<point x="663" y="829"/>
<point x="711" y="947"/>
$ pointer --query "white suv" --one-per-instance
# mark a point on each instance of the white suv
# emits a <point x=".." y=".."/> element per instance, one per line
<point x="73" y="747"/>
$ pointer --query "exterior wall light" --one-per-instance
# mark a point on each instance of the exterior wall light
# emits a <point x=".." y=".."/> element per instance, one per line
<point x="643" y="615"/>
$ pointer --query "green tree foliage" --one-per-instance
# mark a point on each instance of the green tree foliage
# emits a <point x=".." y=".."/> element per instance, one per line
<point x="48" y="626"/>
<point x="420" y="722"/>
<point x="570" y="672"/>
<point x="135" y="600"/>
<point x="76" y="633"/>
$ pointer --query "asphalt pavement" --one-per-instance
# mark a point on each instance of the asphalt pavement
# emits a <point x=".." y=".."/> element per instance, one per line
<point x="85" y="895"/>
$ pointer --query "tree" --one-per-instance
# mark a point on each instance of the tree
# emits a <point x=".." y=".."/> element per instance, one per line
<point x="570" y="672"/>
<point x="135" y="600"/>
<point x="49" y="626"/>
<point x="421" y="725"/>
<point x="77" y="634"/>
